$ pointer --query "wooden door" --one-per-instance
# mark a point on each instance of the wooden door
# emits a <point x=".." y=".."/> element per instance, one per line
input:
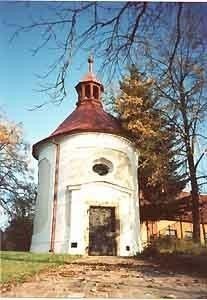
<point x="102" y="235"/>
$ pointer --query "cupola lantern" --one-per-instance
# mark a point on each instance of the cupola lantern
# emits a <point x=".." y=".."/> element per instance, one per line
<point x="89" y="88"/>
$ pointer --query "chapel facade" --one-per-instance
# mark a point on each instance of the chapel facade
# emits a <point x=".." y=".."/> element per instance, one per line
<point x="87" y="200"/>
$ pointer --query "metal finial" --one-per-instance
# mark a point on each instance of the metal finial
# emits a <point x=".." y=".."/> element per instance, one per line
<point x="90" y="63"/>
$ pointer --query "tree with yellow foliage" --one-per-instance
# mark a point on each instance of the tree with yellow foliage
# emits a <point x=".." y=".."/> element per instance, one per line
<point x="16" y="186"/>
<point x="141" y="116"/>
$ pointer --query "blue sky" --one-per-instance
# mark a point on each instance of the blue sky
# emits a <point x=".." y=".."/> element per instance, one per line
<point x="19" y="68"/>
<point x="19" y="82"/>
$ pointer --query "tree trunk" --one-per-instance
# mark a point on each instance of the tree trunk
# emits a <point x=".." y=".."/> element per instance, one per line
<point x="192" y="173"/>
<point x="194" y="195"/>
<point x="204" y="233"/>
<point x="203" y="227"/>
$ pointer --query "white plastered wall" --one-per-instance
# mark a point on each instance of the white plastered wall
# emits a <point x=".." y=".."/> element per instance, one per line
<point x="44" y="203"/>
<point x="79" y="187"/>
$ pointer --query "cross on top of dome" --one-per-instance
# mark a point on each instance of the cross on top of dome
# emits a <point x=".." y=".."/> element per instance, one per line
<point x="90" y="63"/>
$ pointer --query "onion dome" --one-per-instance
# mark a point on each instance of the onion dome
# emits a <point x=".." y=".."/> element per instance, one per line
<point x="89" y="115"/>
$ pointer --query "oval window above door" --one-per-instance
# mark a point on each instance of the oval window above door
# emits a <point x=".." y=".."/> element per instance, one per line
<point x="102" y="166"/>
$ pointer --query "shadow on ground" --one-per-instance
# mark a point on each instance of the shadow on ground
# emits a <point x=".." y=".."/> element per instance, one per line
<point x="160" y="265"/>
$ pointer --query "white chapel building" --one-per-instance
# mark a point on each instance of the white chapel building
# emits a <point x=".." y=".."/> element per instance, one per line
<point x="87" y="200"/>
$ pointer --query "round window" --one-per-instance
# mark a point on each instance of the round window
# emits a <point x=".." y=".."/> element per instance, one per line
<point x="102" y="166"/>
<point x="101" y="169"/>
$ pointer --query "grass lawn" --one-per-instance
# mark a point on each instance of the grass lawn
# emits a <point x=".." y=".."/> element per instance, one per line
<point x="16" y="266"/>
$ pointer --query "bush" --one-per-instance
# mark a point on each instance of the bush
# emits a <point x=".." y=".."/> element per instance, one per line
<point x="150" y="250"/>
<point x="169" y="244"/>
<point x="17" y="236"/>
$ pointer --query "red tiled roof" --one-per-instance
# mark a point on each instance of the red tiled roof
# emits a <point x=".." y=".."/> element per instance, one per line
<point x="89" y="116"/>
<point x="187" y="215"/>
<point x="178" y="209"/>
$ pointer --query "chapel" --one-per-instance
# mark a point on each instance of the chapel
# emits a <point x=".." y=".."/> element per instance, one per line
<point x="87" y="201"/>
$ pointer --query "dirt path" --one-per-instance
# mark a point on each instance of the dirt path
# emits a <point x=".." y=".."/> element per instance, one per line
<point x="112" y="277"/>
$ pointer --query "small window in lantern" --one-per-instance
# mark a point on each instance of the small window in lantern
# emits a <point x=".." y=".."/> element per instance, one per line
<point x="87" y="91"/>
<point x="95" y="92"/>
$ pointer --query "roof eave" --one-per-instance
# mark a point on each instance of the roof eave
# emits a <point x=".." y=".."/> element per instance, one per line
<point x="51" y="137"/>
